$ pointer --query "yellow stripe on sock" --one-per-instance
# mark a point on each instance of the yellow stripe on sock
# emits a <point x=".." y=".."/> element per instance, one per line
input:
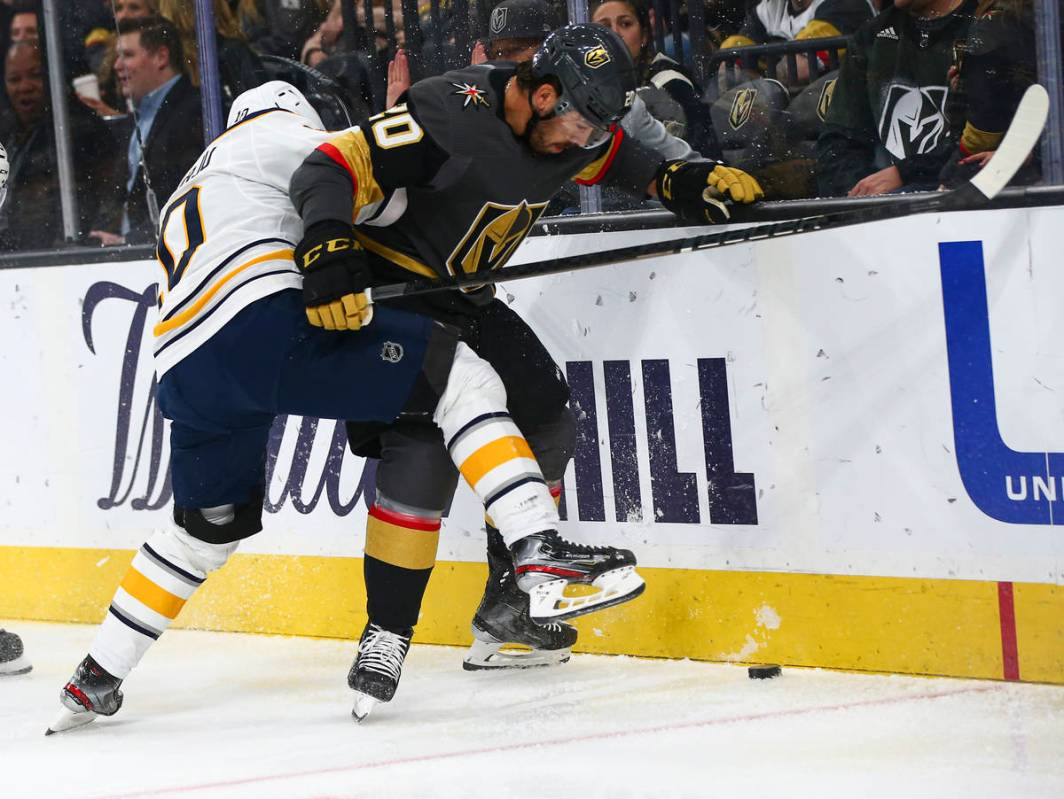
<point x="401" y="546"/>
<point x="492" y="454"/>
<point x="158" y="599"/>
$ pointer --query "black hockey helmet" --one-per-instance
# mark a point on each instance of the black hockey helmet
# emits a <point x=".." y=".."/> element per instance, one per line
<point x="595" y="70"/>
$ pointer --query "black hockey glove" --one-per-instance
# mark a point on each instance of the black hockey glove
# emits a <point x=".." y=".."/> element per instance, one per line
<point x="698" y="191"/>
<point x="335" y="277"/>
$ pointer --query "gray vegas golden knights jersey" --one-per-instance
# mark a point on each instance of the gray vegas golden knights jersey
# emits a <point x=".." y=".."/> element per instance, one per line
<point x="442" y="186"/>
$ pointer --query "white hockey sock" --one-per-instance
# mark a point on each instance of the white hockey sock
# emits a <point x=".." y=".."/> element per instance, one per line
<point x="490" y="451"/>
<point x="164" y="574"/>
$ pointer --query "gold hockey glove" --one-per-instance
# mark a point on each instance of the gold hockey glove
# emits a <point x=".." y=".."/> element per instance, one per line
<point x="699" y="191"/>
<point x="335" y="277"/>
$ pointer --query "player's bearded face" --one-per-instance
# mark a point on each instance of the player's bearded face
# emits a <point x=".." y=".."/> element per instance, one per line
<point x="563" y="132"/>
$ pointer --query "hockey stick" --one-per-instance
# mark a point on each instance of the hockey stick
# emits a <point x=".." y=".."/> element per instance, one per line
<point x="1019" y="140"/>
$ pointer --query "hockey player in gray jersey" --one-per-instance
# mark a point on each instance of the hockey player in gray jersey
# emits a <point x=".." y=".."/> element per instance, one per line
<point x="450" y="182"/>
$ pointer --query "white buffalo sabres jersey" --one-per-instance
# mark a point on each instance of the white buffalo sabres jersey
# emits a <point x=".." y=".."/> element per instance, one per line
<point x="228" y="233"/>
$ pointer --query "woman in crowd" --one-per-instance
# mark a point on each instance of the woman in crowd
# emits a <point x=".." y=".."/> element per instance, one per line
<point x="689" y="118"/>
<point x="32" y="218"/>
<point x="239" y="67"/>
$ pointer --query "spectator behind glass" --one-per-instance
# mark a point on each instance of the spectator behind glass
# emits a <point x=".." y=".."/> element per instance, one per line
<point x="281" y="27"/>
<point x="327" y="40"/>
<point x="32" y="217"/>
<point x="996" y="67"/>
<point x="887" y="127"/>
<point x="101" y="50"/>
<point x="169" y="120"/>
<point x="516" y="29"/>
<point x="795" y="20"/>
<point x="239" y="67"/>
<point x="76" y="19"/>
<point x="686" y="116"/>
<point x="23" y="24"/>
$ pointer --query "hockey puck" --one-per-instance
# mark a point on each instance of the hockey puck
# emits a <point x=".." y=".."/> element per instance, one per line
<point x="764" y="672"/>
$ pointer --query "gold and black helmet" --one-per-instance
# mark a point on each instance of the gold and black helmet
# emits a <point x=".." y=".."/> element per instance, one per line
<point x="594" y="69"/>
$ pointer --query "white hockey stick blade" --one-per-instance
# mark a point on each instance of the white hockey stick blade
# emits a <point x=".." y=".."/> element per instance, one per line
<point x="364" y="704"/>
<point x="1021" y="137"/>
<point x="69" y="720"/>
<point x="547" y="601"/>
<point x="490" y="656"/>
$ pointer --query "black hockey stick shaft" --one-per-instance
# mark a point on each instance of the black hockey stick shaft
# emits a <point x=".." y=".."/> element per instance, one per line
<point x="1020" y="139"/>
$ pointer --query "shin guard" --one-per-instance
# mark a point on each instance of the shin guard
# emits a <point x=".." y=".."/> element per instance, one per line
<point x="490" y="451"/>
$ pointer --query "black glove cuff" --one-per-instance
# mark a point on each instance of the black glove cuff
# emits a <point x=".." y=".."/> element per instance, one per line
<point x="315" y="239"/>
<point x="680" y="185"/>
<point x="332" y="261"/>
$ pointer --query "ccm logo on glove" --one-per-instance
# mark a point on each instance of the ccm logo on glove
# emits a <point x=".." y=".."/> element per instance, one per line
<point x="332" y="245"/>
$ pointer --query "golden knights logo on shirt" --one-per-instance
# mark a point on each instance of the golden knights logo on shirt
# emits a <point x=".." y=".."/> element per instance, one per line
<point x="493" y="237"/>
<point x="741" y="107"/>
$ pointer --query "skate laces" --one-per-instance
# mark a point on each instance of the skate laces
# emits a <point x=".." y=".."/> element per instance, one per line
<point x="382" y="652"/>
<point x="594" y="550"/>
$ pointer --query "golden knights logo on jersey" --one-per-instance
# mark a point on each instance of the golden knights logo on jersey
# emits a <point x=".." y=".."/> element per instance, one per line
<point x="827" y="91"/>
<point x="493" y="237"/>
<point x="741" y="107"/>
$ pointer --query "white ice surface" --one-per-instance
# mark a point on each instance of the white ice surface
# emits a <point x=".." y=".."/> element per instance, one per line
<point x="223" y="715"/>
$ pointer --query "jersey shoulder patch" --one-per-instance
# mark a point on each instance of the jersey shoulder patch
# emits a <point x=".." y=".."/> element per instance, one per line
<point x="460" y="110"/>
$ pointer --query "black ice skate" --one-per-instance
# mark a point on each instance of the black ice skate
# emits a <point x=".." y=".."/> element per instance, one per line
<point x="378" y="665"/>
<point x="91" y="692"/>
<point x="546" y="564"/>
<point x="502" y="620"/>
<point x="12" y="657"/>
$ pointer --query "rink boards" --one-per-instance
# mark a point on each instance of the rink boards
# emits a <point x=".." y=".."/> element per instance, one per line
<point x="841" y="449"/>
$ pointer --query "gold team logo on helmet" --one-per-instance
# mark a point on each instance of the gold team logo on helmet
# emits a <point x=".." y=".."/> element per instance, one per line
<point x="741" y="107"/>
<point x="596" y="57"/>
<point x="827" y="91"/>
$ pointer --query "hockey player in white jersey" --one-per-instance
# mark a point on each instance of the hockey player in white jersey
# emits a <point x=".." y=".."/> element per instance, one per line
<point x="233" y="348"/>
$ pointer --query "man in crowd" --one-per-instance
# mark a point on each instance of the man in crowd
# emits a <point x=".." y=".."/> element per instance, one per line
<point x="32" y="219"/>
<point x="888" y="126"/>
<point x="167" y="131"/>
<point x="23" y="23"/>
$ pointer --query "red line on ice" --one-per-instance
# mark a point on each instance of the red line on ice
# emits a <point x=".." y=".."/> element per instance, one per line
<point x="488" y="750"/>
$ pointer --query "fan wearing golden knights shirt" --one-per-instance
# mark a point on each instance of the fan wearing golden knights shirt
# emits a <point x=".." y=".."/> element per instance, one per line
<point x="450" y="182"/>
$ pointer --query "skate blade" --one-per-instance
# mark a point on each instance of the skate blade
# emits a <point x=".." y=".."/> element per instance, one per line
<point x="12" y="668"/>
<point x="548" y="602"/>
<point x="69" y="720"/>
<point x="490" y="655"/>
<point x="364" y="704"/>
